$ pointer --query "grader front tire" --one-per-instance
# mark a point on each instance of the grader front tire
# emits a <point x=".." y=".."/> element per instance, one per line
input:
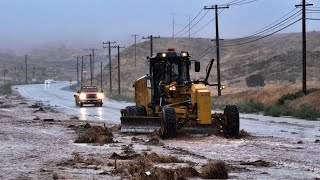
<point x="168" y="123"/>
<point x="232" y="122"/>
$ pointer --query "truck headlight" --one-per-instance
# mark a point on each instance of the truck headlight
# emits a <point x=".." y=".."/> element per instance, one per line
<point x="100" y="96"/>
<point x="172" y="88"/>
<point x="82" y="96"/>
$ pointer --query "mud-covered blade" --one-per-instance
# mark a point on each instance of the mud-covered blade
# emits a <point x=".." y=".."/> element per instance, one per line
<point x="140" y="124"/>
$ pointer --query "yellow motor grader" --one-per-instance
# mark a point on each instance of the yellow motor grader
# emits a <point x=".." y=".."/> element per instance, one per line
<point x="167" y="99"/>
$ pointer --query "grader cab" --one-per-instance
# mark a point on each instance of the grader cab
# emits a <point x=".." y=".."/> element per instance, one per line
<point x="167" y="100"/>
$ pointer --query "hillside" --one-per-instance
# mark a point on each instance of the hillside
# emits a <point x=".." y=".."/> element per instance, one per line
<point x="277" y="58"/>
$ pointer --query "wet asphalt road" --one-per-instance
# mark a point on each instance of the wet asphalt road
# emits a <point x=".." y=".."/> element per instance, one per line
<point x="258" y="125"/>
<point x="63" y="100"/>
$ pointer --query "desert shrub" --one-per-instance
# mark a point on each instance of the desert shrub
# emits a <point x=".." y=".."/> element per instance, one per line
<point x="255" y="80"/>
<point x="306" y="111"/>
<point x="5" y="89"/>
<point x="274" y="111"/>
<point x="292" y="96"/>
<point x="251" y="107"/>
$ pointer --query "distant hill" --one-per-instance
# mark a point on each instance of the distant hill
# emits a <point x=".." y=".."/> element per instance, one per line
<point x="277" y="58"/>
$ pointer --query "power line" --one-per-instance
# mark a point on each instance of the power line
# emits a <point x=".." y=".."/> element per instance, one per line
<point x="206" y="24"/>
<point x="276" y="24"/>
<point x="194" y="25"/>
<point x="207" y="51"/>
<point x="239" y="2"/>
<point x="188" y="25"/>
<point x="264" y="36"/>
<point x="313" y="19"/>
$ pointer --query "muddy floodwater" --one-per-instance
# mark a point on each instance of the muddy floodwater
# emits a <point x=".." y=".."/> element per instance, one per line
<point x="278" y="148"/>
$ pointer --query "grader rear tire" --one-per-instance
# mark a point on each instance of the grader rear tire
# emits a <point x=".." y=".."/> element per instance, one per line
<point x="168" y="123"/>
<point x="232" y="122"/>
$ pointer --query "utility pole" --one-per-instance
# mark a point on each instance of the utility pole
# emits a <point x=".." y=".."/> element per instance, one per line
<point x="81" y="70"/>
<point x="172" y="24"/>
<point x="119" y="79"/>
<point x="135" y="49"/>
<point x="189" y="27"/>
<point x="77" y="65"/>
<point x="216" y="8"/>
<point x="101" y="87"/>
<point x="151" y="43"/>
<point x="110" y="73"/>
<point x="92" y="66"/>
<point x="304" y="46"/>
<point x="33" y="72"/>
<point x="26" y="59"/>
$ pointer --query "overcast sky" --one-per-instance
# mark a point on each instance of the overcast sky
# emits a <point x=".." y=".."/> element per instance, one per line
<point x="26" y="23"/>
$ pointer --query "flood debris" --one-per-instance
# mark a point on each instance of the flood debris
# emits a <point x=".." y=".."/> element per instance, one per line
<point x="6" y="106"/>
<point x="96" y="134"/>
<point x="34" y="106"/>
<point x="244" y="134"/>
<point x="87" y="126"/>
<point x="317" y="141"/>
<point x="74" y="118"/>
<point x="257" y="163"/>
<point x="77" y="158"/>
<point x="214" y="170"/>
<point x="48" y="120"/>
<point x="300" y="142"/>
<point x="155" y="141"/>
<point x="143" y="168"/>
<point x="138" y="140"/>
<point x="39" y="110"/>
<point x="36" y="118"/>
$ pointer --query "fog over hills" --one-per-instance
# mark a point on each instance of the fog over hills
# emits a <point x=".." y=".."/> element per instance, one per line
<point x="278" y="58"/>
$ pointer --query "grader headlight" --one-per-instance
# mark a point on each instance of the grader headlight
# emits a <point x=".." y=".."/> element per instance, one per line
<point x="164" y="55"/>
<point x="172" y="88"/>
<point x="184" y="54"/>
<point x="222" y="87"/>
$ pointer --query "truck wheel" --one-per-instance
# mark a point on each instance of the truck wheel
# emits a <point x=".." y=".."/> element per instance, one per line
<point x="168" y="123"/>
<point x="130" y="111"/>
<point x="232" y="122"/>
<point x="76" y="103"/>
<point x="140" y="111"/>
<point x="81" y="105"/>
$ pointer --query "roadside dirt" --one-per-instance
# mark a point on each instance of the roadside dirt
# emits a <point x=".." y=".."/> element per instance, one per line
<point x="37" y="142"/>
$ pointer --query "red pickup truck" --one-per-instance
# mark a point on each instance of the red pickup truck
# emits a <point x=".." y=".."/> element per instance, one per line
<point x="89" y="95"/>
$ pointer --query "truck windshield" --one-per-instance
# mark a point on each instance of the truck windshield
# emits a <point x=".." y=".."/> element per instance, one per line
<point x="89" y="90"/>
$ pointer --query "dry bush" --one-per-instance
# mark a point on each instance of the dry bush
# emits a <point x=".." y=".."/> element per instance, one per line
<point x="214" y="170"/>
<point x="268" y="95"/>
<point x="96" y="134"/>
<point x="312" y="99"/>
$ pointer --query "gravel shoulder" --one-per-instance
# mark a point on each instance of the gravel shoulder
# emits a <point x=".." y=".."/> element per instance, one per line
<point x="37" y="142"/>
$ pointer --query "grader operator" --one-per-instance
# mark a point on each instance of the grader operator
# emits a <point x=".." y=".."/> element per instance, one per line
<point x="168" y="100"/>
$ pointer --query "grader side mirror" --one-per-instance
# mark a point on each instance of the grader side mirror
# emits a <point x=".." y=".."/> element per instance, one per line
<point x="197" y="66"/>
